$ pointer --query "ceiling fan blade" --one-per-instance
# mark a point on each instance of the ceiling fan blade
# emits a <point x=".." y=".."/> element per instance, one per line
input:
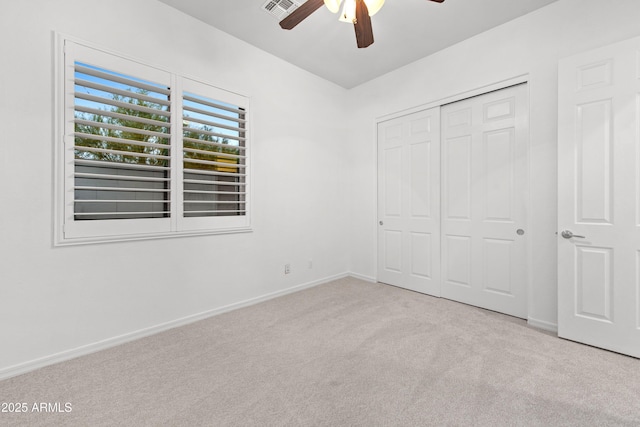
<point x="362" y="24"/>
<point x="301" y="13"/>
<point x="438" y="1"/>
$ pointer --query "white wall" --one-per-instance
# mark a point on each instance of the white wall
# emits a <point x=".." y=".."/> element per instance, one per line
<point x="55" y="300"/>
<point x="529" y="45"/>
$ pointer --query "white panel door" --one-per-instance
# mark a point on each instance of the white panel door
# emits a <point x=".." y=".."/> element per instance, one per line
<point x="599" y="199"/>
<point x="484" y="200"/>
<point x="408" y="202"/>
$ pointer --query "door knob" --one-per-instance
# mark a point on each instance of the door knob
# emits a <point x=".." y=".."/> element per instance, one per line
<point x="381" y="223"/>
<point x="567" y="234"/>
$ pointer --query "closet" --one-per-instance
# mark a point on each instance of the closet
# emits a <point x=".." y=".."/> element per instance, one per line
<point x="452" y="201"/>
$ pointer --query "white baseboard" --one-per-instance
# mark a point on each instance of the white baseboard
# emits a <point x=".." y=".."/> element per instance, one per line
<point x="362" y="277"/>
<point x="84" y="350"/>
<point x="541" y="324"/>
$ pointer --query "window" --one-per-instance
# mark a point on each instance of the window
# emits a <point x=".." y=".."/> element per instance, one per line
<point x="214" y="147"/>
<point x="148" y="153"/>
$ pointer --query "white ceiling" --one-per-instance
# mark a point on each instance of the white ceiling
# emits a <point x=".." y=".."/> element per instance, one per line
<point x="404" y="31"/>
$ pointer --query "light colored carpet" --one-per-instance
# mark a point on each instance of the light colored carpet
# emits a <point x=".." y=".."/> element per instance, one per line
<point x="346" y="353"/>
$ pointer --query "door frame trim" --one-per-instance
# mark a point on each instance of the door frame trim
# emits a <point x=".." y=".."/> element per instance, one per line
<point x="481" y="90"/>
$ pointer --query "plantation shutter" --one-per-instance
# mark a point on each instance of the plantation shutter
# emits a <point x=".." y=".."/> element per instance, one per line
<point x="118" y="142"/>
<point x="130" y="169"/>
<point x="122" y="146"/>
<point x="214" y="153"/>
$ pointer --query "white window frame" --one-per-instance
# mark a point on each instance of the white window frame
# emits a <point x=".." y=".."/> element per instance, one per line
<point x="69" y="231"/>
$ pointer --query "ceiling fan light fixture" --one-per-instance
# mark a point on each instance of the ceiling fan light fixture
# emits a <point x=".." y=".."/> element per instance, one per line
<point x="348" y="13"/>
<point x="349" y="8"/>
<point x="333" y="5"/>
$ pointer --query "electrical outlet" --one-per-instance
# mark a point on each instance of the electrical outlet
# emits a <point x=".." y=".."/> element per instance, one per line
<point x="287" y="268"/>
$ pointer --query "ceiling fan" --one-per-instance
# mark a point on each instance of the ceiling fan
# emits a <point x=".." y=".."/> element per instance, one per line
<point x="359" y="12"/>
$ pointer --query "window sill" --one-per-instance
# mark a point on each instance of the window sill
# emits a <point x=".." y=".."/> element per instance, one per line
<point x="60" y="242"/>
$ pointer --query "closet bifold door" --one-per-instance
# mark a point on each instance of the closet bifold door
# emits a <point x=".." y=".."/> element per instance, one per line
<point x="409" y="202"/>
<point x="484" y="200"/>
